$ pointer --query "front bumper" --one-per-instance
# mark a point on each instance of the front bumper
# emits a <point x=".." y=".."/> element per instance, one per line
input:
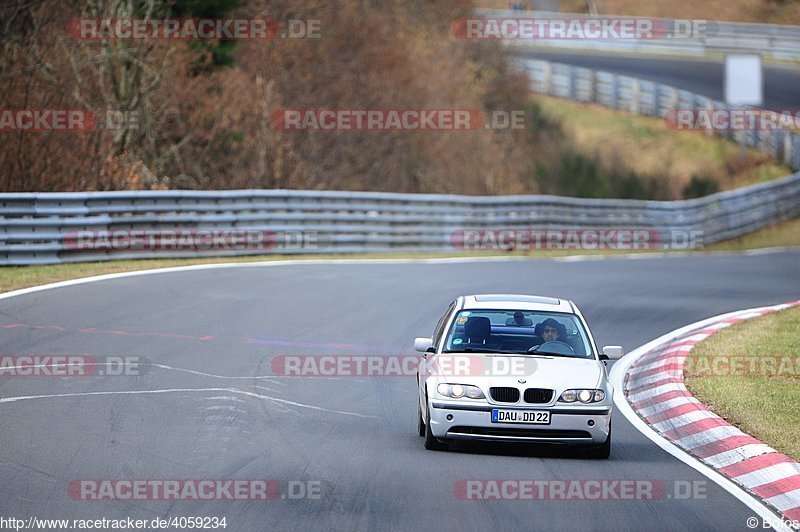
<point x="568" y="425"/>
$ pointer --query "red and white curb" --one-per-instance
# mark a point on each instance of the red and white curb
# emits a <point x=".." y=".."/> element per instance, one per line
<point x="654" y="389"/>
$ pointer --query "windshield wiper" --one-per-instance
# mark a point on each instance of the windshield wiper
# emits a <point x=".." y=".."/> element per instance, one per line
<point x="487" y="350"/>
<point x="498" y="351"/>
<point x="473" y="350"/>
<point x="547" y="353"/>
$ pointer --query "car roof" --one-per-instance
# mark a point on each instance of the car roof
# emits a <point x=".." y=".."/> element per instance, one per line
<point x="517" y="302"/>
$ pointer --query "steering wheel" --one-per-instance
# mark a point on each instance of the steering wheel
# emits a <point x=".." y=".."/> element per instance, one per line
<point x="554" y="346"/>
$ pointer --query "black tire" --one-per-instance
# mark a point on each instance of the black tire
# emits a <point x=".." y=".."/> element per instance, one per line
<point x="420" y="423"/>
<point x="601" y="452"/>
<point x="431" y="443"/>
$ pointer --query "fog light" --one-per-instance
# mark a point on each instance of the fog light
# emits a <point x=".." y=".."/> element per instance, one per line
<point x="450" y="418"/>
<point x="591" y="422"/>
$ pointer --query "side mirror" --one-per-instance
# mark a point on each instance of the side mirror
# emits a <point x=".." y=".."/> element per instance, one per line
<point x="612" y="352"/>
<point x="423" y="344"/>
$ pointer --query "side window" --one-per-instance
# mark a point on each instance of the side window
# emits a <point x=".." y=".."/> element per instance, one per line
<point x="439" y="331"/>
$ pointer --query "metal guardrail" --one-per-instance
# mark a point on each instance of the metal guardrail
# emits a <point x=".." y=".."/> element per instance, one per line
<point x="771" y="40"/>
<point x="40" y="228"/>
<point x="644" y="97"/>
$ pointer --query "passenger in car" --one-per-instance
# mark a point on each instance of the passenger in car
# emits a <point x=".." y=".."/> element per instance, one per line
<point x="519" y="320"/>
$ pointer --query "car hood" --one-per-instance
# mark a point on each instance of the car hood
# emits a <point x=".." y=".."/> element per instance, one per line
<point x="559" y="373"/>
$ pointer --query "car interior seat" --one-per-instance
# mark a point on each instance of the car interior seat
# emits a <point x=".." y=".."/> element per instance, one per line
<point x="478" y="331"/>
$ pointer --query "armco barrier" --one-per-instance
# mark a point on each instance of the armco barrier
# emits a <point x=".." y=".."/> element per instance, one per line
<point x="775" y="41"/>
<point x="640" y="96"/>
<point x="40" y="228"/>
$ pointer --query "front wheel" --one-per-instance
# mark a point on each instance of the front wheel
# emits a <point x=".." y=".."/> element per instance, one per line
<point x="603" y="451"/>
<point x="431" y="443"/>
<point x="420" y="423"/>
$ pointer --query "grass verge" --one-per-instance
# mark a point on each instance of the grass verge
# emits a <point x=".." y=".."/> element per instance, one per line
<point x="749" y="374"/>
<point x="786" y="234"/>
<point x="678" y="164"/>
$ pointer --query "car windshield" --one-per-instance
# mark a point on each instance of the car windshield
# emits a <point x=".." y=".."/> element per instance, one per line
<point x="518" y="331"/>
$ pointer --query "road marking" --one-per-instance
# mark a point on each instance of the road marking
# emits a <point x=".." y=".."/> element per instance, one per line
<point x="450" y="260"/>
<point x="184" y="390"/>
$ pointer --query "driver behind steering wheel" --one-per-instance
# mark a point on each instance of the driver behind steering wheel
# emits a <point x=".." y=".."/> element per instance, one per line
<point x="550" y="331"/>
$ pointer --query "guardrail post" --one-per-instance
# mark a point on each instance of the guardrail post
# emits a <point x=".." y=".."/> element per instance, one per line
<point x="571" y="85"/>
<point x="547" y="83"/>
<point x="634" y="106"/>
<point x="673" y="98"/>
<point x="785" y="141"/>
<point x="795" y="152"/>
<point x="710" y="109"/>
<point x="614" y="92"/>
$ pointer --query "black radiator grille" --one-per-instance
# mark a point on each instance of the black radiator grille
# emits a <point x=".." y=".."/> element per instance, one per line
<point x="538" y="395"/>
<point x="504" y="395"/>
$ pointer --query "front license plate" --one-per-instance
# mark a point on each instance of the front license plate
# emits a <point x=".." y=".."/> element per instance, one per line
<point x="531" y="417"/>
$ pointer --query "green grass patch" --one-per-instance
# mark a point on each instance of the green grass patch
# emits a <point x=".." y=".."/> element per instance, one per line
<point x="786" y="234"/>
<point x="756" y="383"/>
<point x="666" y="164"/>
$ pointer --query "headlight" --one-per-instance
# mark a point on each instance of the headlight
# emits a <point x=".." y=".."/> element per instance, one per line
<point x="583" y="395"/>
<point x="569" y="396"/>
<point x="457" y="391"/>
<point x="473" y="392"/>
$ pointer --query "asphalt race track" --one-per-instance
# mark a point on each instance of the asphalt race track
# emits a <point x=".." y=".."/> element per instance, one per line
<point x="228" y="418"/>
<point x="703" y="76"/>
